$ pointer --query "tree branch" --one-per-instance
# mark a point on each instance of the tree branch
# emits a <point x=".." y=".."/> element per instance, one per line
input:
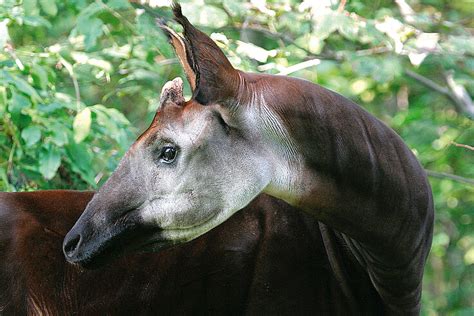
<point x="455" y="92"/>
<point x="427" y="82"/>
<point x="443" y="175"/>
<point x="461" y="98"/>
<point x="285" y="38"/>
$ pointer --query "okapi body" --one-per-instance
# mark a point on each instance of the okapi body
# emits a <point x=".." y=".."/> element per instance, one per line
<point x="268" y="259"/>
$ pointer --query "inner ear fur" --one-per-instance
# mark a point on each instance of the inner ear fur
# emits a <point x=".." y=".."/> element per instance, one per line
<point x="183" y="52"/>
<point x="210" y="74"/>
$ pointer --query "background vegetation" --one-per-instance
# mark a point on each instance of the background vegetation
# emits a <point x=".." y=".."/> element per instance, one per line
<point x="80" y="79"/>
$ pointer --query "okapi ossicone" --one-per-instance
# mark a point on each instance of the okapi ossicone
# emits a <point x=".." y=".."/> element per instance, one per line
<point x="242" y="134"/>
<point x="268" y="259"/>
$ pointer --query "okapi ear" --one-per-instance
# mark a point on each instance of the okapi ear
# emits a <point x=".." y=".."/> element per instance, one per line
<point x="183" y="52"/>
<point x="216" y="79"/>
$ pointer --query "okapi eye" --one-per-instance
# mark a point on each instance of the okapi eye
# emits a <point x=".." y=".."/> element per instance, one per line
<point x="168" y="154"/>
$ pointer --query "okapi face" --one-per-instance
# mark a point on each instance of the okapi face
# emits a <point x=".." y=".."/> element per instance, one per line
<point x="198" y="163"/>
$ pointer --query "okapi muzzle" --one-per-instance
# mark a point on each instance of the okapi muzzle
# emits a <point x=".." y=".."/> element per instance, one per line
<point x="243" y="134"/>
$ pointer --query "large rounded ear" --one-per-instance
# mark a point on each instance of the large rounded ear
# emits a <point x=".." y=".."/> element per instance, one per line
<point x="210" y="74"/>
<point x="183" y="52"/>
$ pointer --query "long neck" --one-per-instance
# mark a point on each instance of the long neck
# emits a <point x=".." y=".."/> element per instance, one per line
<point x="347" y="163"/>
<point x="349" y="170"/>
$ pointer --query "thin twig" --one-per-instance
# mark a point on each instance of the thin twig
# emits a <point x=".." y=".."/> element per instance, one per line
<point x="70" y="70"/>
<point x="341" y="6"/>
<point x="373" y="51"/>
<point x="462" y="145"/>
<point x="10" y="159"/>
<point x="443" y="175"/>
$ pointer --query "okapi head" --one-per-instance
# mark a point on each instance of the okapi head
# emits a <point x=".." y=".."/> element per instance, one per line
<point x="198" y="163"/>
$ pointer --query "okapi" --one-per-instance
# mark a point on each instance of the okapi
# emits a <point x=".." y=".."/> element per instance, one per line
<point x="242" y="134"/>
<point x="268" y="259"/>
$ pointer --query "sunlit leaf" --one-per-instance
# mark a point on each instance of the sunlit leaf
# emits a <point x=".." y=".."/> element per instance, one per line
<point x="49" y="7"/>
<point x="36" y="21"/>
<point x="82" y="125"/>
<point x="4" y="36"/>
<point x="31" y="7"/>
<point x="325" y="25"/>
<point x="254" y="51"/>
<point x="118" y="4"/>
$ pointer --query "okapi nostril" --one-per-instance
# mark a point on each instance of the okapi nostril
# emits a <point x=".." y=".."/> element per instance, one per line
<point x="71" y="245"/>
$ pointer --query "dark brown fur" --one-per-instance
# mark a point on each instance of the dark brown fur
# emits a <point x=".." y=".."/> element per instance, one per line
<point x="267" y="259"/>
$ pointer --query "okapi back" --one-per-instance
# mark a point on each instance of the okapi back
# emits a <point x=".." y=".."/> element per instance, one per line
<point x="267" y="259"/>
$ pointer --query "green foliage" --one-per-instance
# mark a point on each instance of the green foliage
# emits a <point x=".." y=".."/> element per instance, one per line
<point x="74" y="74"/>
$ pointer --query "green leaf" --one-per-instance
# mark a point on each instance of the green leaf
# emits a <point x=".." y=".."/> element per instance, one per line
<point x="36" y="21"/>
<point x="50" y="160"/>
<point x="40" y="76"/>
<point x="91" y="10"/>
<point x="326" y="24"/>
<point x="89" y="25"/>
<point x="81" y="161"/>
<point x="82" y="125"/>
<point x="459" y="44"/>
<point x="31" y="135"/>
<point x="59" y="134"/>
<point x="31" y="7"/>
<point x="26" y="88"/>
<point x="94" y="31"/>
<point x="115" y="116"/>
<point x="347" y="26"/>
<point x="51" y="107"/>
<point x="18" y="102"/>
<point x="49" y="7"/>
<point x="118" y="4"/>
<point x="236" y="7"/>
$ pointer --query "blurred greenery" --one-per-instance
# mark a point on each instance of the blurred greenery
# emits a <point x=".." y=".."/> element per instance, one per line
<point x="79" y="80"/>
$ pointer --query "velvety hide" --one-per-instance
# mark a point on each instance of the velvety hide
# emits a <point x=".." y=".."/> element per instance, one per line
<point x="268" y="259"/>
